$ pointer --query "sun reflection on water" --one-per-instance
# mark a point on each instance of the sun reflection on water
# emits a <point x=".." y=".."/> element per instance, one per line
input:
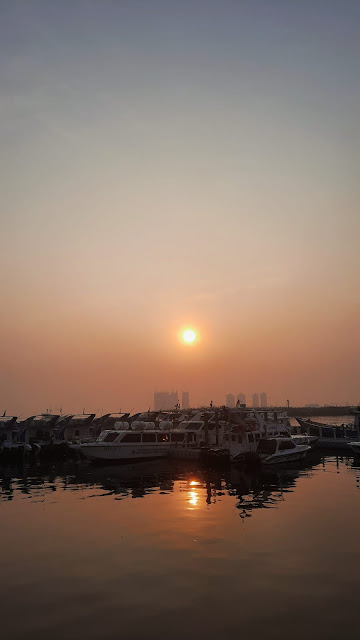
<point x="193" y="494"/>
<point x="193" y="498"/>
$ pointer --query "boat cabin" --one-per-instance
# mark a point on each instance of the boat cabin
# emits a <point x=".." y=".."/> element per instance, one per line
<point x="42" y="428"/>
<point x="270" y="446"/>
<point x="78" y="427"/>
<point x="146" y="436"/>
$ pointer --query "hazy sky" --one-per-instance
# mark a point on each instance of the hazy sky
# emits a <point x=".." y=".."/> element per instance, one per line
<point x="179" y="163"/>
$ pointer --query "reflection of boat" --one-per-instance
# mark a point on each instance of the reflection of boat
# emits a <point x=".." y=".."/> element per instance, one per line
<point x="278" y="450"/>
<point x="330" y="435"/>
<point x="256" y="487"/>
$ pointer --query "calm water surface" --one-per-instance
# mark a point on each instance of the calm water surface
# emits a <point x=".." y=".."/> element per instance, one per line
<point x="160" y="551"/>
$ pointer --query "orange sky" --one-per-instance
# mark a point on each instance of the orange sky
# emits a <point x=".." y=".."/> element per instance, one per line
<point x="168" y="172"/>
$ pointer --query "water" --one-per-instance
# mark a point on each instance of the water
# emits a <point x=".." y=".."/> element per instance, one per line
<point x="157" y="551"/>
<point x="167" y="551"/>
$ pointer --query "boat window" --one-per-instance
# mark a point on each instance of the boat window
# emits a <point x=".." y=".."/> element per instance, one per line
<point x="189" y="437"/>
<point x="340" y="433"/>
<point x="177" y="437"/>
<point x="162" y="437"/>
<point x="287" y="444"/>
<point x="148" y="437"/>
<point x="42" y="435"/>
<point x="131" y="437"/>
<point x="257" y="436"/>
<point x="266" y="446"/>
<point x="240" y="438"/>
<point x="327" y="432"/>
<point x="351" y="433"/>
<point x="251" y="437"/>
<point x="77" y="432"/>
<point x="314" y="431"/>
<point x="193" y="426"/>
<point x="110" y="437"/>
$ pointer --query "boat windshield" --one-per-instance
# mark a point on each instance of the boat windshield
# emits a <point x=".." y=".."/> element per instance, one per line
<point x="287" y="444"/>
<point x="110" y="437"/>
<point x="266" y="446"/>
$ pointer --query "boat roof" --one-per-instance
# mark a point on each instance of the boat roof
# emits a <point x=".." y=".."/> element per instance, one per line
<point x="7" y="419"/>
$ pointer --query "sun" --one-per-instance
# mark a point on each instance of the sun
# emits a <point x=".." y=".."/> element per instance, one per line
<point x="189" y="336"/>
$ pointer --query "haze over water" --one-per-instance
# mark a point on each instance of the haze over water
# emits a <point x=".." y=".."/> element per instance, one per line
<point x="161" y="550"/>
<point x="174" y="164"/>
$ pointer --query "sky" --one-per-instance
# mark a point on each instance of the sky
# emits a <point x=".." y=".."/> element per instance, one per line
<point x="170" y="164"/>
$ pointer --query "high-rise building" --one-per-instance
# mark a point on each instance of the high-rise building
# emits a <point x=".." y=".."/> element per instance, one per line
<point x="230" y="400"/>
<point x="185" y="400"/>
<point x="241" y="398"/>
<point x="165" y="400"/>
<point x="255" y="400"/>
<point x="263" y="400"/>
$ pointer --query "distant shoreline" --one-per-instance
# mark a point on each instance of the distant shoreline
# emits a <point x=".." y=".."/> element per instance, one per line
<point x="315" y="411"/>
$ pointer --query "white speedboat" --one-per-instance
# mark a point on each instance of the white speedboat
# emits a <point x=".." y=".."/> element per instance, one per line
<point x="278" y="450"/>
<point x="128" y="444"/>
<point x="146" y="440"/>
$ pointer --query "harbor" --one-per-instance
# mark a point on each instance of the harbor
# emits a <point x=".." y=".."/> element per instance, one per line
<point x="214" y="434"/>
<point x="179" y="362"/>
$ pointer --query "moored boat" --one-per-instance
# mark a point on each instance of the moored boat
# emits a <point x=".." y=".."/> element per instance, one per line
<point x="332" y="436"/>
<point x="10" y="437"/>
<point x="127" y="444"/>
<point x="246" y="427"/>
<point x="280" y="450"/>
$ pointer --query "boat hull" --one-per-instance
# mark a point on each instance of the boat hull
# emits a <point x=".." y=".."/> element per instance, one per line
<point x="288" y="457"/>
<point x="355" y="447"/>
<point x="330" y="436"/>
<point x="123" y="453"/>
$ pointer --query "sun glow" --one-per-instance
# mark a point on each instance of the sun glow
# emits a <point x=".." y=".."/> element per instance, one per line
<point x="189" y="336"/>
